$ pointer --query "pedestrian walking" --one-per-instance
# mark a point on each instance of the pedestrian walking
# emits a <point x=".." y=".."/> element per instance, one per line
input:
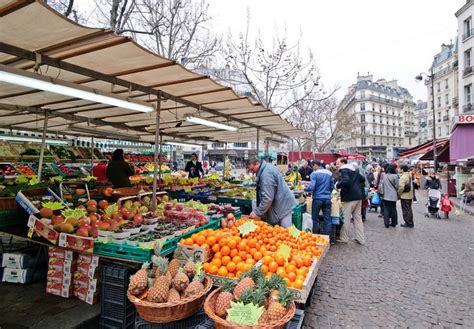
<point x="390" y="184"/>
<point x="336" y="207"/>
<point x="415" y="176"/>
<point x="352" y="195"/>
<point x="447" y="205"/>
<point x="432" y="182"/>
<point x="321" y="187"/>
<point x="405" y="191"/>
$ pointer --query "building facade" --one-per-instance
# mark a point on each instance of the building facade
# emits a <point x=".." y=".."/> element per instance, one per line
<point x="446" y="101"/>
<point x="466" y="60"/>
<point x="421" y="120"/>
<point x="376" y="119"/>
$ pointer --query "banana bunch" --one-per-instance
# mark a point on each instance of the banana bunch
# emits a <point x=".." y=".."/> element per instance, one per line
<point x="293" y="177"/>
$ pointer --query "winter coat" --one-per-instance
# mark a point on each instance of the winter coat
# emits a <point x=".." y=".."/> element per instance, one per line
<point x="118" y="173"/>
<point x="305" y="173"/>
<point x="275" y="200"/>
<point x="350" y="184"/>
<point x="405" y="178"/>
<point x="390" y="187"/>
<point x="321" y="184"/>
<point x="194" y="169"/>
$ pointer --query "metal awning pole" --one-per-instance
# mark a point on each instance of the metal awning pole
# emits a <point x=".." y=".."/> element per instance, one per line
<point x="155" y="163"/>
<point x="159" y="155"/>
<point x="43" y="145"/>
<point x="258" y="141"/>
<point x="92" y="153"/>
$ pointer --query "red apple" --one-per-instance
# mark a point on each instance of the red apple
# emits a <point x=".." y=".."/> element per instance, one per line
<point x="103" y="204"/>
<point x="91" y="203"/>
<point x="55" y="220"/>
<point x="138" y="220"/>
<point x="104" y="226"/>
<point x="83" y="231"/>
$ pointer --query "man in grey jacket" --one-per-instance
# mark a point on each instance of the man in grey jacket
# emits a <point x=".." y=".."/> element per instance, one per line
<point x="275" y="201"/>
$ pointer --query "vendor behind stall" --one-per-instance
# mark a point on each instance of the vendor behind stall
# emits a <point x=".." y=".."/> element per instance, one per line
<point x="305" y="171"/>
<point x="275" y="201"/>
<point x="194" y="167"/>
<point x="100" y="171"/>
<point x="119" y="171"/>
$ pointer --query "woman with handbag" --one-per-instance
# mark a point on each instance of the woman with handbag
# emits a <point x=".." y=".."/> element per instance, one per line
<point x="390" y="182"/>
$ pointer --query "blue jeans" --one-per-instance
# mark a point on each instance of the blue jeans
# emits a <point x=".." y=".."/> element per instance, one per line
<point x="324" y="226"/>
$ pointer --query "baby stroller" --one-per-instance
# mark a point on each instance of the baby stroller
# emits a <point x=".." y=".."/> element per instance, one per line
<point x="433" y="204"/>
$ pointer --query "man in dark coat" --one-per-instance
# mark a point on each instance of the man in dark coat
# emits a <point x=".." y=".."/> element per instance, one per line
<point x="194" y="167"/>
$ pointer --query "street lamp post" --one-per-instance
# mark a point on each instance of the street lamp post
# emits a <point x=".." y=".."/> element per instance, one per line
<point x="419" y="77"/>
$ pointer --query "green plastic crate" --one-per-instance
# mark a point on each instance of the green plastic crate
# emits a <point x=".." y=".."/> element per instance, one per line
<point x="12" y="217"/>
<point x="298" y="215"/>
<point x="123" y="251"/>
<point x="236" y="202"/>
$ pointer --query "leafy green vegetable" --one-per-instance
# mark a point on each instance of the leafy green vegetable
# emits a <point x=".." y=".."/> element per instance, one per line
<point x="73" y="213"/>
<point x="113" y="208"/>
<point x="53" y="205"/>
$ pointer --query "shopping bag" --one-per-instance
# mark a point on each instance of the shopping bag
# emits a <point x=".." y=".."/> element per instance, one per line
<point x="376" y="200"/>
<point x="307" y="222"/>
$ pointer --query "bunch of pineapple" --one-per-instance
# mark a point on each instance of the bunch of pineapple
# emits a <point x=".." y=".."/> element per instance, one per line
<point x="166" y="281"/>
<point x="253" y="287"/>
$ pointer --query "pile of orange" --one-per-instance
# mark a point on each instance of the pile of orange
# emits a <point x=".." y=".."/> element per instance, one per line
<point x="234" y="255"/>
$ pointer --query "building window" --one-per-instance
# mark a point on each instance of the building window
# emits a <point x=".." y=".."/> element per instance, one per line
<point x="446" y="84"/>
<point x="362" y="130"/>
<point x="217" y="145"/>
<point x="439" y="131"/>
<point x="362" y="106"/>
<point x="380" y="108"/>
<point x="244" y="145"/>
<point x="467" y="25"/>
<point x="362" y="94"/>
<point x="373" y="118"/>
<point x="363" y="141"/>
<point x="467" y="58"/>
<point x="438" y="86"/>
<point x="373" y="107"/>
<point x="446" y="99"/>
<point x="467" y="94"/>
<point x="439" y="101"/>
<point x="362" y="118"/>
<point x="374" y="141"/>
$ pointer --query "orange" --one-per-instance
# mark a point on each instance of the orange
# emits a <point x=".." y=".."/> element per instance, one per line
<point x="243" y="254"/>
<point x="241" y="266"/>
<point x="189" y="241"/>
<point x="226" y="260"/>
<point x="273" y="266"/>
<point x="250" y="261"/>
<point x="291" y="276"/>
<point x="242" y="245"/>
<point x="231" y="275"/>
<point x="200" y="240"/>
<point x="222" y="271"/>
<point x="291" y="268"/>
<point x="281" y="272"/>
<point x="307" y="262"/>
<point x="211" y="240"/>
<point x="301" y="272"/>
<point x="267" y="260"/>
<point x="264" y="268"/>
<point x="194" y="238"/>
<point x="238" y="274"/>
<point x="236" y="259"/>
<point x="218" y="255"/>
<point x="247" y="267"/>
<point x="223" y="242"/>
<point x="280" y="259"/>
<point x="225" y="250"/>
<point x="257" y="255"/>
<point x="213" y="269"/>
<point x="300" y="277"/>
<point x="205" y="266"/>
<point x="298" y="284"/>
<point x="234" y="252"/>
<point x="299" y="262"/>
<point x="232" y="243"/>
<point x="231" y="267"/>
<point x="217" y="262"/>
<point x="216" y="247"/>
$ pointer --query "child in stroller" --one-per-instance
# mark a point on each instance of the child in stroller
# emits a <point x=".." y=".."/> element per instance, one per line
<point x="433" y="204"/>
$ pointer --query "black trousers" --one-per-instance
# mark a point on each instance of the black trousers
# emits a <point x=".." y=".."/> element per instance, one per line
<point x="407" y="212"/>
<point x="390" y="215"/>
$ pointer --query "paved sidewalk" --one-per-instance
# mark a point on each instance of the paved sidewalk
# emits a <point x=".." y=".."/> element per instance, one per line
<point x="416" y="278"/>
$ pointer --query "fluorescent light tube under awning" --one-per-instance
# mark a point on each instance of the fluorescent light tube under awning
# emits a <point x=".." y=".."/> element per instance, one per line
<point x="35" y="81"/>
<point x="209" y="123"/>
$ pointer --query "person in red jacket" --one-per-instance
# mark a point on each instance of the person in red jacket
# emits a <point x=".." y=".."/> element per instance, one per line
<point x="100" y="171"/>
<point x="446" y="205"/>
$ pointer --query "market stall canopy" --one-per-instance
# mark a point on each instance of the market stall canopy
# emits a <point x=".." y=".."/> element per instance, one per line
<point x="38" y="43"/>
<point x="421" y="149"/>
<point x="442" y="152"/>
<point x="461" y="140"/>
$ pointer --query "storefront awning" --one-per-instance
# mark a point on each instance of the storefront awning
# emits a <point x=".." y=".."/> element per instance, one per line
<point x="461" y="143"/>
<point x="421" y="149"/>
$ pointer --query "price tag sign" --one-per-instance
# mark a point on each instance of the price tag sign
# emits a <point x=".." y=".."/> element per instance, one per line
<point x="30" y="232"/>
<point x="198" y="268"/>
<point x="244" y="314"/>
<point x="247" y="228"/>
<point x="294" y="232"/>
<point x="285" y="251"/>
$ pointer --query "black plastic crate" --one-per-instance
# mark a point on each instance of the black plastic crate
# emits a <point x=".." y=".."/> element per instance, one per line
<point x="295" y="323"/>
<point x="116" y="310"/>
<point x="191" y="322"/>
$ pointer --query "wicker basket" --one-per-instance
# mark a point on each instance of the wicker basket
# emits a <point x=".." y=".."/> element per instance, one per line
<point x="8" y="203"/>
<point x="168" y="312"/>
<point x="220" y="323"/>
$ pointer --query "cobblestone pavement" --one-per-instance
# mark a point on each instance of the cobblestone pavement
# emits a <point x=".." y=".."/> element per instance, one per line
<point x="404" y="278"/>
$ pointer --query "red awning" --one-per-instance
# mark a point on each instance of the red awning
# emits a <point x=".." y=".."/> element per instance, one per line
<point x="353" y="156"/>
<point x="442" y="151"/>
<point x="422" y="148"/>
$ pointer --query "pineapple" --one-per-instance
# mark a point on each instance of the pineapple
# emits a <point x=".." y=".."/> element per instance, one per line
<point x="173" y="296"/>
<point x="248" y="281"/>
<point x="274" y="284"/>
<point x="160" y="291"/>
<point x="173" y="267"/>
<point x="224" y="298"/>
<point x="180" y="281"/>
<point x="190" y="269"/>
<point x="139" y="281"/>
<point x="277" y="309"/>
<point x="158" y="265"/>
<point x="196" y="286"/>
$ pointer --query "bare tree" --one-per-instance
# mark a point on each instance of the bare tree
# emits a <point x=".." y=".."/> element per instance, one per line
<point x="65" y="7"/>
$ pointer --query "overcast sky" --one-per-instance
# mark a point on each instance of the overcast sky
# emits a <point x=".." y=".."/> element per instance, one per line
<point x="390" y="39"/>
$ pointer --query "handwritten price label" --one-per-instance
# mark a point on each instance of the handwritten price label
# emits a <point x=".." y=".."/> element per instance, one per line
<point x="244" y="314"/>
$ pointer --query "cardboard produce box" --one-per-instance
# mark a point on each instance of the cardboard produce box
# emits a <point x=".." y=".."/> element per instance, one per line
<point x="62" y="265"/>
<point x="17" y="260"/>
<point x="59" y="289"/>
<point x="57" y="252"/>
<point x="76" y="242"/>
<point x="15" y="275"/>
